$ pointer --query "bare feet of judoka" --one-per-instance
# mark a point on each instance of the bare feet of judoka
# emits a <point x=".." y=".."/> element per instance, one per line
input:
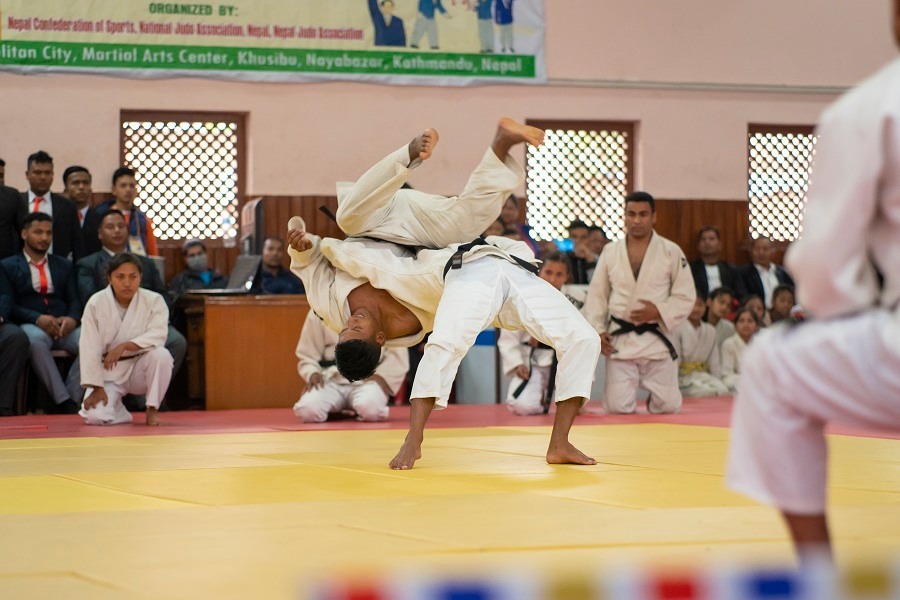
<point x="514" y="133"/>
<point x="409" y="453"/>
<point x="423" y="145"/>
<point x="565" y="453"/>
<point x="152" y="416"/>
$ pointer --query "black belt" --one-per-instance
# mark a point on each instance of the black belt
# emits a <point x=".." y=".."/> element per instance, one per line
<point x="456" y="261"/>
<point x="414" y="250"/>
<point x="547" y="400"/>
<point x="327" y="363"/>
<point x="626" y="327"/>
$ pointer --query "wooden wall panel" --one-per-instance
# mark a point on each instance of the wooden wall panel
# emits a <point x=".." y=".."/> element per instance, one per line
<point x="681" y="220"/>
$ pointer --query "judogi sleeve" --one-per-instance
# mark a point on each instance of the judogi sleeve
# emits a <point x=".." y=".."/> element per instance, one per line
<point x="729" y="357"/>
<point x="364" y="205"/>
<point x="317" y="276"/>
<point x="676" y="308"/>
<point x="90" y="348"/>
<point x="831" y="261"/>
<point x="393" y="367"/>
<point x="310" y="347"/>
<point x="157" y="319"/>
<point x="714" y="361"/>
<point x="596" y="304"/>
<point x="512" y="352"/>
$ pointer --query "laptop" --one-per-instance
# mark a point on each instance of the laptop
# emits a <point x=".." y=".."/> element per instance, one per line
<point x="245" y="278"/>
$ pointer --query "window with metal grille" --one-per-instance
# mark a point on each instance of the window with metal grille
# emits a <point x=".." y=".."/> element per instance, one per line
<point x="780" y="157"/>
<point x="582" y="171"/>
<point x="189" y="170"/>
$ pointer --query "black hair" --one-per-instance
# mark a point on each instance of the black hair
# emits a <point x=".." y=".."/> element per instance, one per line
<point x="558" y="257"/>
<point x="596" y="228"/>
<point x="641" y="197"/>
<point x="191" y="244"/>
<point x="512" y="197"/>
<point x="719" y="291"/>
<point x="72" y="170"/>
<point x="357" y="359"/>
<point x="577" y="224"/>
<point x="111" y="211"/>
<point x="275" y="238"/>
<point x="122" y="172"/>
<point x="39" y="157"/>
<point x="706" y="228"/>
<point x="123" y="259"/>
<point x="784" y="287"/>
<point x="749" y="311"/>
<point x="35" y="217"/>
<point x="2" y="163"/>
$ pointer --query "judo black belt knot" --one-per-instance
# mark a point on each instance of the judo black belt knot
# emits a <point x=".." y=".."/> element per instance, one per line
<point x="626" y="327"/>
<point x="547" y="399"/>
<point x="327" y="363"/>
<point x="456" y="261"/>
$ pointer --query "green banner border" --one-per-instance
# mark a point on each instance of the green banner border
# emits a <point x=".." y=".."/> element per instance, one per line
<point x="70" y="55"/>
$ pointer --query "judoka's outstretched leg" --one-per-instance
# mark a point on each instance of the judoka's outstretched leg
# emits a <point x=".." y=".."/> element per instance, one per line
<point x="509" y="133"/>
<point x="411" y="450"/>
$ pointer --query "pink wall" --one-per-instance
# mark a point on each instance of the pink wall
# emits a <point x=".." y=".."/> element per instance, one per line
<point x="692" y="143"/>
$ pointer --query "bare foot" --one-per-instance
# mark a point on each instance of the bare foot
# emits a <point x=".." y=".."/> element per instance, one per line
<point x="423" y="146"/>
<point x="407" y="456"/>
<point x="567" y="454"/>
<point x="513" y="132"/>
<point x="152" y="416"/>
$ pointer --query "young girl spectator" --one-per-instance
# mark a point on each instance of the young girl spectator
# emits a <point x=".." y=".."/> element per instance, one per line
<point x="755" y="303"/>
<point x="718" y="307"/>
<point x="782" y="302"/>
<point x="699" y="369"/>
<point x="746" y="325"/>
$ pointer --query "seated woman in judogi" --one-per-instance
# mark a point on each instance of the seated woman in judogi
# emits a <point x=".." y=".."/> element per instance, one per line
<point x="699" y="363"/>
<point x="123" y="333"/>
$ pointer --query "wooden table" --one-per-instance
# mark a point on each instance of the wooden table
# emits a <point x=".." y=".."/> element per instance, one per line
<point x="249" y="344"/>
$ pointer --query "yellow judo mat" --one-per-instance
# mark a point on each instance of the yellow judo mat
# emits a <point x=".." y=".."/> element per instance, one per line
<point x="260" y="515"/>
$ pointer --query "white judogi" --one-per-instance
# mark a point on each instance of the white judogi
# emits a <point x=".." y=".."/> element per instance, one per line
<point x="666" y="281"/>
<point x="366" y="398"/>
<point x="845" y="365"/>
<point x="376" y="206"/>
<point x="489" y="289"/>
<point x="699" y="366"/>
<point x="105" y="325"/>
<point x="733" y="349"/>
<point x="515" y="349"/>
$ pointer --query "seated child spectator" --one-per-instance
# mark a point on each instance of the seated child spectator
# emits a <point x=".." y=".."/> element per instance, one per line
<point x="718" y="307"/>
<point x="782" y="302"/>
<point x="530" y="363"/>
<point x="755" y="303"/>
<point x="746" y="325"/>
<point x="498" y="227"/>
<point x="699" y="369"/>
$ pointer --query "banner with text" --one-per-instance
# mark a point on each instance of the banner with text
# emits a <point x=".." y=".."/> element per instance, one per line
<point x="433" y="42"/>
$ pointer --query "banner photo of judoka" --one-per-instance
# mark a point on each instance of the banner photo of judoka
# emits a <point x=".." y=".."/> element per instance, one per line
<point x="425" y="42"/>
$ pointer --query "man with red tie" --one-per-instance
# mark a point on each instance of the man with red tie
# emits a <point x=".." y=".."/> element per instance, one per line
<point x="46" y="307"/>
<point x="67" y="238"/>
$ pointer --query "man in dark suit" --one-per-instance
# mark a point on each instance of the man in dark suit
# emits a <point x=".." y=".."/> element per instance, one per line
<point x="12" y="211"/>
<point x="762" y="276"/>
<point x="13" y="349"/>
<point x="90" y="273"/>
<point x="67" y="238"/>
<point x="710" y="272"/>
<point x="46" y="306"/>
<point x="79" y="188"/>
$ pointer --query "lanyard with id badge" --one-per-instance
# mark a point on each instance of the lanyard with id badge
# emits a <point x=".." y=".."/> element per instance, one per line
<point x="135" y="243"/>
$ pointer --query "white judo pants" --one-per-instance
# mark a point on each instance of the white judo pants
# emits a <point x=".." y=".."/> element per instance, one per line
<point x="150" y="376"/>
<point x="795" y="380"/>
<point x="624" y="377"/>
<point x="530" y="400"/>
<point x="493" y="291"/>
<point x="368" y="400"/>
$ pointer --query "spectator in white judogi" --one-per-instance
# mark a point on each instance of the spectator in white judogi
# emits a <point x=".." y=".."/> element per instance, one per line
<point x="746" y="325"/>
<point x="641" y="290"/>
<point x="328" y="392"/>
<point x="531" y="364"/>
<point x="123" y="332"/>
<point x="718" y="307"/>
<point x="843" y="364"/>
<point x="699" y="366"/>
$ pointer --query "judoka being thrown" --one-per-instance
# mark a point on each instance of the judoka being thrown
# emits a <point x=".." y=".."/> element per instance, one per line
<point x="377" y="293"/>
